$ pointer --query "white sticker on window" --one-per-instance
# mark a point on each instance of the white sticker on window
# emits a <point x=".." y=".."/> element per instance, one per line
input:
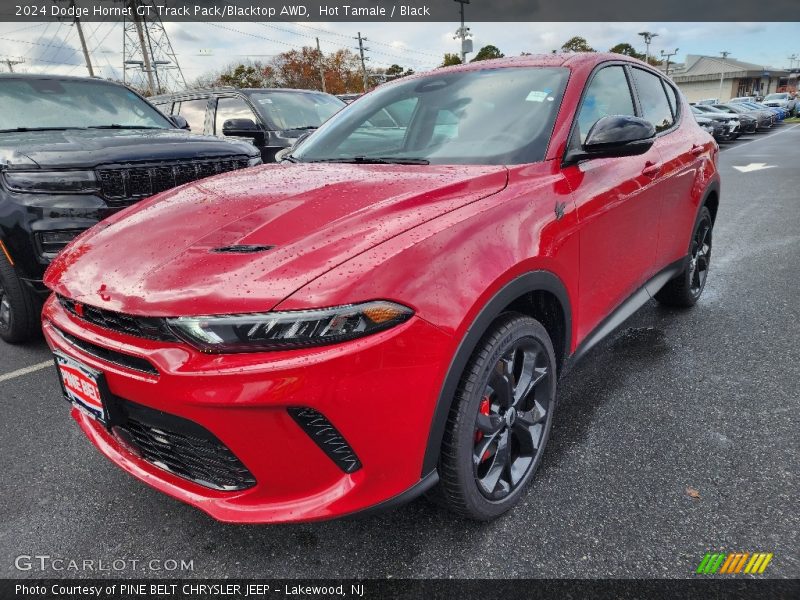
<point x="536" y="97"/>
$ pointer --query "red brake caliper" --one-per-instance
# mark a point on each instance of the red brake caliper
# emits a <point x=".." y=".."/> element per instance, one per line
<point x="484" y="410"/>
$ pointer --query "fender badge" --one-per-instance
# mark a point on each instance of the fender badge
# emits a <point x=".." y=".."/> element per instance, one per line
<point x="560" y="206"/>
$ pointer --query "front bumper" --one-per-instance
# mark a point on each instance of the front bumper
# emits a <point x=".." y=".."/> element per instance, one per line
<point x="379" y="393"/>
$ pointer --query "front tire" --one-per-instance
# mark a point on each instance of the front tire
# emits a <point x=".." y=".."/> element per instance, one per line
<point x="684" y="290"/>
<point x="500" y="419"/>
<point x="19" y="308"/>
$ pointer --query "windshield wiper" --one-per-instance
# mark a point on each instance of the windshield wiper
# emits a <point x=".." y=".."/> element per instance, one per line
<point x="289" y="158"/>
<point x="117" y="126"/>
<point x="304" y="128"/>
<point x="23" y="129"/>
<point x="376" y="160"/>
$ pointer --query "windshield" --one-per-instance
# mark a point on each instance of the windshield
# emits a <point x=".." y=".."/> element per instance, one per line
<point x="54" y="104"/>
<point x="488" y="116"/>
<point x="777" y="97"/>
<point x="295" y="110"/>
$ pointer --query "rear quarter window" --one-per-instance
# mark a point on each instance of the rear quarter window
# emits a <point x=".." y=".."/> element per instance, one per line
<point x="655" y="106"/>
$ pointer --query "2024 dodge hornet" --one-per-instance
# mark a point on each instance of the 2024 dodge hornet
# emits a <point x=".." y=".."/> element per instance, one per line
<point x="388" y="310"/>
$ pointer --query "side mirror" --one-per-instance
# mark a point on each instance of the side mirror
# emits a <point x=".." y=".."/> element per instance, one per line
<point x="240" y="128"/>
<point x="180" y="122"/>
<point x="281" y="153"/>
<point x="614" y="136"/>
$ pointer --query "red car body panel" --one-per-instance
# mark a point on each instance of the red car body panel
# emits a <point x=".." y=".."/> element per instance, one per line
<point x="316" y="217"/>
<point x="442" y="240"/>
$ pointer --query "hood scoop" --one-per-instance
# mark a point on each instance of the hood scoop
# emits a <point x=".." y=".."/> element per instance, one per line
<point x="241" y="249"/>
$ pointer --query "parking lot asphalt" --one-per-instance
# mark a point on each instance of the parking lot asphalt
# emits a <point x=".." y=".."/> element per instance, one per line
<point x="675" y="437"/>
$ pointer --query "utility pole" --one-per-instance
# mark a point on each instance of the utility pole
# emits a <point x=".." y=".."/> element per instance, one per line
<point x="792" y="58"/>
<point x="321" y="68"/>
<point x="361" y="50"/>
<point x="724" y="54"/>
<point x="146" y="47"/>
<point x="147" y="67"/>
<point x="463" y="34"/>
<point x="668" y="55"/>
<point x="648" y="38"/>
<point x="11" y="64"/>
<point x="77" y="22"/>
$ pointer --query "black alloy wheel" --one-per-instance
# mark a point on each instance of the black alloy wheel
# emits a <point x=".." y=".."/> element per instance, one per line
<point x="700" y="257"/>
<point x="685" y="289"/>
<point x="5" y="308"/>
<point x="509" y="426"/>
<point x="19" y="309"/>
<point x="500" y="419"/>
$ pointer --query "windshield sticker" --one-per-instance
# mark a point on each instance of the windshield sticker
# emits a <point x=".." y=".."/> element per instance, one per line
<point x="536" y="97"/>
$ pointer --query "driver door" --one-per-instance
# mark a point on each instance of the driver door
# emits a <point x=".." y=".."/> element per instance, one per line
<point x="617" y="206"/>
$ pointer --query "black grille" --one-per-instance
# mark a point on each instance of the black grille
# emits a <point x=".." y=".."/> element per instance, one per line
<point x="143" y="327"/>
<point x="112" y="356"/>
<point x="120" y="185"/>
<point x="183" y="448"/>
<point x="327" y="437"/>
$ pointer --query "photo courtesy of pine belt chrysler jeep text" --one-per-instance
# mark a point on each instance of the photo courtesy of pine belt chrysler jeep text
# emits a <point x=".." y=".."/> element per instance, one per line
<point x="387" y="311"/>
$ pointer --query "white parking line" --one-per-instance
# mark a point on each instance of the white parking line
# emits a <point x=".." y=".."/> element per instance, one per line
<point x="766" y="137"/>
<point x="26" y="370"/>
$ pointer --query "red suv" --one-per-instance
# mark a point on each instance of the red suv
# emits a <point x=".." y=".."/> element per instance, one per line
<point x="389" y="309"/>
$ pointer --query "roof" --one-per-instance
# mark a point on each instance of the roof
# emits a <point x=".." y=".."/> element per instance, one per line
<point x="553" y="59"/>
<point x="54" y="76"/>
<point x="228" y="89"/>
<point x="704" y="68"/>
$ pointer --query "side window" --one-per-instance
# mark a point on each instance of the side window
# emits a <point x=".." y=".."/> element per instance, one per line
<point x="608" y="94"/>
<point x="232" y="108"/>
<point x="655" y="106"/>
<point x="194" y="111"/>
<point x="672" y="96"/>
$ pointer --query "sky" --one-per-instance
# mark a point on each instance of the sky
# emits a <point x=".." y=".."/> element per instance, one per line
<point x="208" y="47"/>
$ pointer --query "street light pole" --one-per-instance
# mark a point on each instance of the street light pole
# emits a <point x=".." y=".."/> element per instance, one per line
<point x="668" y="55"/>
<point x="648" y="38"/>
<point x="724" y="54"/>
<point x="463" y="32"/>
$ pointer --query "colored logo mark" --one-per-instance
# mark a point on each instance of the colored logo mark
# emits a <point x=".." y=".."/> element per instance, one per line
<point x="734" y="562"/>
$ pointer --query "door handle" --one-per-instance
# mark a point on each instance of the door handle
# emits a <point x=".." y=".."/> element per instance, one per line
<point x="697" y="150"/>
<point x="651" y="169"/>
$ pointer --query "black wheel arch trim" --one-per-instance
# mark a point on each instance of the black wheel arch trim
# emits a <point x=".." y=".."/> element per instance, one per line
<point x="416" y="490"/>
<point x="533" y="281"/>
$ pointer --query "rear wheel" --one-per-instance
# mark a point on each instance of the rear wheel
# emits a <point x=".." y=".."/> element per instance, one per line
<point x="685" y="289"/>
<point x="19" y="308"/>
<point x="500" y="419"/>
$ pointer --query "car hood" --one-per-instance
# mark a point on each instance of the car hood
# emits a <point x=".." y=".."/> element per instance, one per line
<point x="88" y="148"/>
<point x="161" y="257"/>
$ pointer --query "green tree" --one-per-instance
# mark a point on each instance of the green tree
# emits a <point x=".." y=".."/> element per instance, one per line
<point x="487" y="53"/>
<point x="396" y="72"/>
<point x="577" y="44"/>
<point x="243" y="76"/>
<point x="450" y="59"/>
<point x="626" y="50"/>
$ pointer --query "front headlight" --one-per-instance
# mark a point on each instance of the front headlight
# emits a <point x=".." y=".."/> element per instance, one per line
<point x="50" y="182"/>
<point x="290" y="329"/>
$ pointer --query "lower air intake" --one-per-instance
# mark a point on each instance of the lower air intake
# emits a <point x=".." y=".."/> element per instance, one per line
<point x="183" y="448"/>
<point x="327" y="437"/>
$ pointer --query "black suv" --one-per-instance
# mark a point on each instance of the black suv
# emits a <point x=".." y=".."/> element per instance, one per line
<point x="73" y="151"/>
<point x="272" y="119"/>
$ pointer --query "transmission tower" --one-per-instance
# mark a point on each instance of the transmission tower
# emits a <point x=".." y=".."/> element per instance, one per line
<point x="149" y="61"/>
